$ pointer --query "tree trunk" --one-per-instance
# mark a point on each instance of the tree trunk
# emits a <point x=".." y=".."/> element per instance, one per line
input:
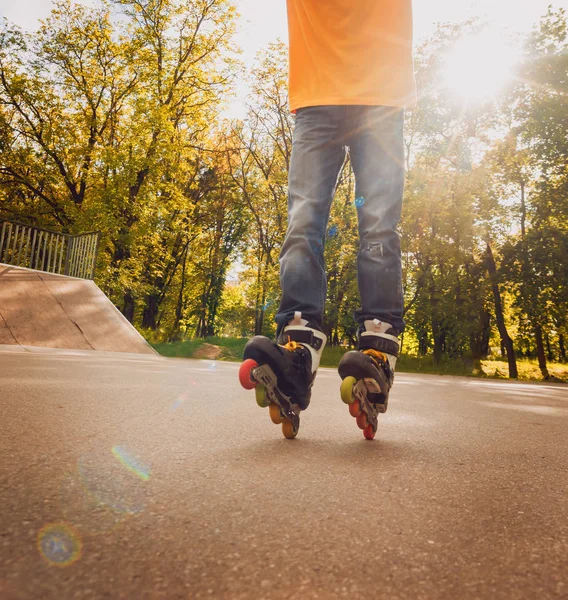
<point x="562" y="348"/>
<point x="479" y="341"/>
<point x="258" y="310"/>
<point x="484" y="349"/>
<point x="121" y="253"/>
<point x="180" y="304"/>
<point x="150" y="313"/>
<point x="435" y="324"/>
<point x="423" y="343"/>
<point x="335" y="338"/>
<point x="499" y="316"/>
<point x="549" y="352"/>
<point x="438" y="341"/>
<point x="128" y="306"/>
<point x="259" y="313"/>
<point x="523" y="210"/>
<point x="540" y="352"/>
<point x="259" y="321"/>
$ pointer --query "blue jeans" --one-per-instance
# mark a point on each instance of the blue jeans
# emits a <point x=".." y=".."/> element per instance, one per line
<point x="374" y="135"/>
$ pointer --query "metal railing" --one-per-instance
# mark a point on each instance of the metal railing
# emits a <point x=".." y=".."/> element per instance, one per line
<point x="44" y="250"/>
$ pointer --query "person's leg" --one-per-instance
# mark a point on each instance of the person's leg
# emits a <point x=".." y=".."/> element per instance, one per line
<point x="318" y="153"/>
<point x="377" y="156"/>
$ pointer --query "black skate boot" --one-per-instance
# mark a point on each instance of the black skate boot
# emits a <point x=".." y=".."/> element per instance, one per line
<point x="368" y="374"/>
<point x="283" y="372"/>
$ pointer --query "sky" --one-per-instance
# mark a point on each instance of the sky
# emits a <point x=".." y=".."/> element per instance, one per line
<point x="263" y="21"/>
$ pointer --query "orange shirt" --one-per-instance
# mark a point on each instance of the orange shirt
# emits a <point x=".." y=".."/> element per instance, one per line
<point x="350" y="52"/>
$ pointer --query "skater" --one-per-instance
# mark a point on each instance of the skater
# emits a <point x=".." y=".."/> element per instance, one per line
<point x="351" y="75"/>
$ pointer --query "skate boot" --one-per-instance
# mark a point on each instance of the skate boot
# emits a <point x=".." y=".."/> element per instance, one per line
<point x="282" y="373"/>
<point x="368" y="374"/>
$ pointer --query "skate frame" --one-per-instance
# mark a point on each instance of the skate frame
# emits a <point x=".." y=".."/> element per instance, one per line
<point x="288" y="410"/>
<point x="361" y="391"/>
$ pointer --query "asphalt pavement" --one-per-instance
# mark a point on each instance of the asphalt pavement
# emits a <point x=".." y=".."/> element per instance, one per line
<point x="139" y="477"/>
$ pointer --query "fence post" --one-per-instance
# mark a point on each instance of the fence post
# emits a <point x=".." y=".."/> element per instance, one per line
<point x="2" y="240"/>
<point x="68" y="254"/>
<point x="96" y="254"/>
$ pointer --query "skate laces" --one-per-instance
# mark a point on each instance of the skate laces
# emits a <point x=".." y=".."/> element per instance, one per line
<point x="380" y="356"/>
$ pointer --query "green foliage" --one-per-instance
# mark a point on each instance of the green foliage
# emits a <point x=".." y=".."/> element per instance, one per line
<point x="109" y="121"/>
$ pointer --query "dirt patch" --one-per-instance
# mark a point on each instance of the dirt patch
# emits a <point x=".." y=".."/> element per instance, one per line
<point x="208" y="351"/>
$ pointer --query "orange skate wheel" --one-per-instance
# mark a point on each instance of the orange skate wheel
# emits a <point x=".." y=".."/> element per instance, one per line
<point x="362" y="422"/>
<point x="369" y="433"/>
<point x="288" y="429"/>
<point x="355" y="409"/>
<point x="244" y="373"/>
<point x="275" y="415"/>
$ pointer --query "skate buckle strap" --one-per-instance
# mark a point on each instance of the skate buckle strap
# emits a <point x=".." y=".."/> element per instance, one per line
<point x="379" y="343"/>
<point x="301" y="336"/>
<point x="291" y="345"/>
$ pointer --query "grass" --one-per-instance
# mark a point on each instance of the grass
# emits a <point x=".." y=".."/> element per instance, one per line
<point x="332" y="355"/>
<point x="528" y="370"/>
<point x="232" y="350"/>
<point x="425" y="364"/>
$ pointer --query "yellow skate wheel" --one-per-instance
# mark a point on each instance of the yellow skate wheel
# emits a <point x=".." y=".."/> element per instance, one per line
<point x="275" y="414"/>
<point x="260" y="395"/>
<point x="346" y="390"/>
<point x="288" y="429"/>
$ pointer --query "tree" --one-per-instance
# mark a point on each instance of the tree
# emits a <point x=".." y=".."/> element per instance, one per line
<point x="259" y="162"/>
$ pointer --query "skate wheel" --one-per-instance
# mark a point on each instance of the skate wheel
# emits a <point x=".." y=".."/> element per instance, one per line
<point x="355" y="409"/>
<point x="244" y="373"/>
<point x="260" y="395"/>
<point x="275" y="415"/>
<point x="369" y="432"/>
<point x="346" y="389"/>
<point x="288" y="429"/>
<point x="362" y="422"/>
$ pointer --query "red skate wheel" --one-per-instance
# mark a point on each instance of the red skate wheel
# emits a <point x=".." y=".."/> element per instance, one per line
<point x="244" y="374"/>
<point x="369" y="433"/>
<point x="355" y="409"/>
<point x="362" y="422"/>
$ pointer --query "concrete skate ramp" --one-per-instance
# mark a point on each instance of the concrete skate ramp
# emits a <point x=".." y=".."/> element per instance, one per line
<point x="54" y="311"/>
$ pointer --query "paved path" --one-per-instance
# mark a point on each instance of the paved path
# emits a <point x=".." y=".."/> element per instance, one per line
<point x="156" y="478"/>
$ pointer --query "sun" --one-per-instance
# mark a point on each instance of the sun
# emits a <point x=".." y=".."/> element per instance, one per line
<point x="478" y="66"/>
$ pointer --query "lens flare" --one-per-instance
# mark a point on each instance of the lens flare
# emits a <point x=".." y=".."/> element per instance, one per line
<point x="131" y="463"/>
<point x="179" y="401"/>
<point x="59" y="544"/>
